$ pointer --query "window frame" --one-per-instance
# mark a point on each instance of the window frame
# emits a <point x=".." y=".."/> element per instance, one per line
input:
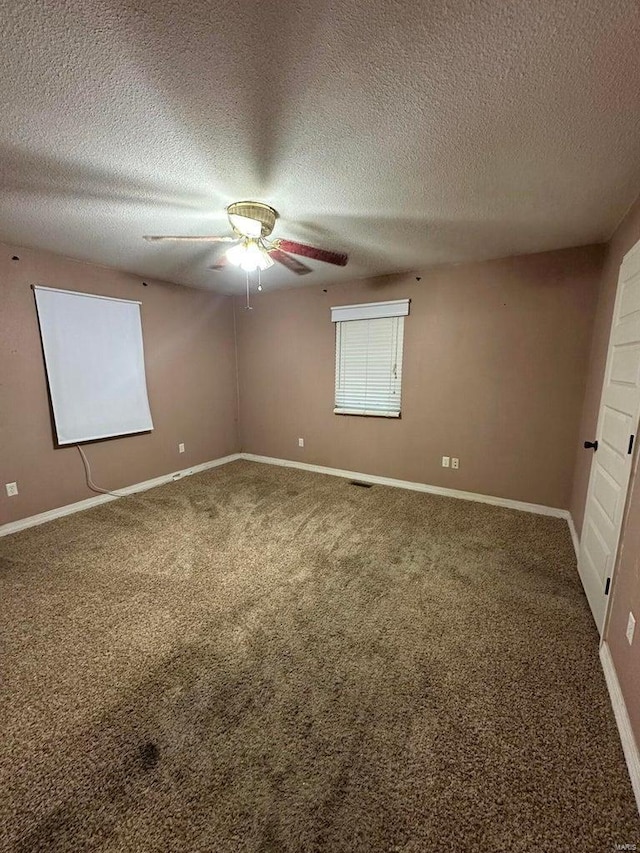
<point x="398" y="309"/>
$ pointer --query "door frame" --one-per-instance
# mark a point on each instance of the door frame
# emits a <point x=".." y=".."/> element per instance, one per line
<point x="635" y="469"/>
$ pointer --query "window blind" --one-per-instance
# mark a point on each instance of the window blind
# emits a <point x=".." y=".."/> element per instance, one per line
<point x="369" y="366"/>
<point x="95" y="364"/>
<point x="370" y="310"/>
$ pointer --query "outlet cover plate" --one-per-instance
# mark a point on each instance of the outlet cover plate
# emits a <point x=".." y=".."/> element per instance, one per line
<point x="12" y="489"/>
<point x="445" y="461"/>
<point x="631" y="627"/>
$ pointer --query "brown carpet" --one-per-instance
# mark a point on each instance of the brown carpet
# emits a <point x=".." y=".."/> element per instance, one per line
<point x="261" y="659"/>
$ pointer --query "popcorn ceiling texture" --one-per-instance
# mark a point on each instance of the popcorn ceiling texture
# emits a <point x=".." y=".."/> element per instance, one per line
<point x="406" y="134"/>
<point x="266" y="660"/>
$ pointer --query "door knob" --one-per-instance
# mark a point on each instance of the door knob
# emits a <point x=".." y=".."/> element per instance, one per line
<point x="591" y="444"/>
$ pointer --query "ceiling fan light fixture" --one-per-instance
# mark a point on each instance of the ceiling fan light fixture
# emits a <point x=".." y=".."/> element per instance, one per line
<point x="251" y="218"/>
<point x="249" y="256"/>
<point x="252" y="223"/>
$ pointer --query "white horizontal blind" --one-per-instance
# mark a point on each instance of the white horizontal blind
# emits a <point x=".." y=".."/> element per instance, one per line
<point x="95" y="364"/>
<point x="370" y="310"/>
<point x="369" y="366"/>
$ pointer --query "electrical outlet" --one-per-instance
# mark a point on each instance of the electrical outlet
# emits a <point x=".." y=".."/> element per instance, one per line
<point x="12" y="489"/>
<point x="301" y="442"/>
<point x="181" y="448"/>
<point x="455" y="462"/>
<point x="445" y="461"/>
<point x="631" y="627"/>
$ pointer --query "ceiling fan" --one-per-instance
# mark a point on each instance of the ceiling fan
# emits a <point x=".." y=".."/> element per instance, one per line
<point x="252" y="222"/>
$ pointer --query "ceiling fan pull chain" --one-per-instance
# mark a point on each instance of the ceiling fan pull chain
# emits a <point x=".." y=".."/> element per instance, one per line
<point x="259" y="280"/>
<point x="247" y="306"/>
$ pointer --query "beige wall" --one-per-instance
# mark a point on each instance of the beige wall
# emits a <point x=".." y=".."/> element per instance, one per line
<point x="494" y="373"/>
<point x="625" y="596"/>
<point x="625" y="591"/>
<point x="191" y="378"/>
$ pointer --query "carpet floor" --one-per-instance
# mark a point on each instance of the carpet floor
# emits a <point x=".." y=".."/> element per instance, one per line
<point x="261" y="659"/>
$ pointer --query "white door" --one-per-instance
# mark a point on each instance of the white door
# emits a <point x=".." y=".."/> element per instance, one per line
<point x="615" y="436"/>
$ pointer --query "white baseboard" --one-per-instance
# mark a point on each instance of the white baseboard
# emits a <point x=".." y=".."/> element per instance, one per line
<point x="408" y="484"/>
<point x="41" y="518"/>
<point x="629" y="745"/>
<point x="69" y="509"/>
<point x="574" y="535"/>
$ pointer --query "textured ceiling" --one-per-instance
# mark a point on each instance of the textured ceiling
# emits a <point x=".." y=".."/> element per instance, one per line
<point x="407" y="134"/>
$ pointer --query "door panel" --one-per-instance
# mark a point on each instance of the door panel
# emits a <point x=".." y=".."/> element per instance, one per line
<point x="630" y="299"/>
<point x="617" y="422"/>
<point x="607" y="492"/>
<point x="624" y="364"/>
<point x="615" y="430"/>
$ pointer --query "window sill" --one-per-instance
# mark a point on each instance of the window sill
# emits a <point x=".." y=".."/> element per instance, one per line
<point x="368" y="413"/>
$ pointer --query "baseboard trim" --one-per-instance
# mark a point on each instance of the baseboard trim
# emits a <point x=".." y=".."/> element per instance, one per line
<point x="574" y="535"/>
<point x="539" y="509"/>
<point x="629" y="745"/>
<point x="88" y="503"/>
<point x="59" y="512"/>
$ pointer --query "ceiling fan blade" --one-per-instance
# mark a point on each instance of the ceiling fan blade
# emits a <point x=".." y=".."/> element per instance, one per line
<point x="220" y="264"/>
<point x="290" y="263"/>
<point x="156" y="238"/>
<point x="337" y="258"/>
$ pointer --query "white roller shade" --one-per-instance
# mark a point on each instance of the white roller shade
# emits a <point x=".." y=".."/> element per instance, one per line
<point x="95" y="364"/>
<point x="369" y="366"/>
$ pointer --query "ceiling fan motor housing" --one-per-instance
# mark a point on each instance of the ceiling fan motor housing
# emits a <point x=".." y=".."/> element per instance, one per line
<point x="262" y="213"/>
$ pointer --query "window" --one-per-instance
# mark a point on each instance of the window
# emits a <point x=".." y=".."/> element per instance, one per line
<point x="369" y="358"/>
